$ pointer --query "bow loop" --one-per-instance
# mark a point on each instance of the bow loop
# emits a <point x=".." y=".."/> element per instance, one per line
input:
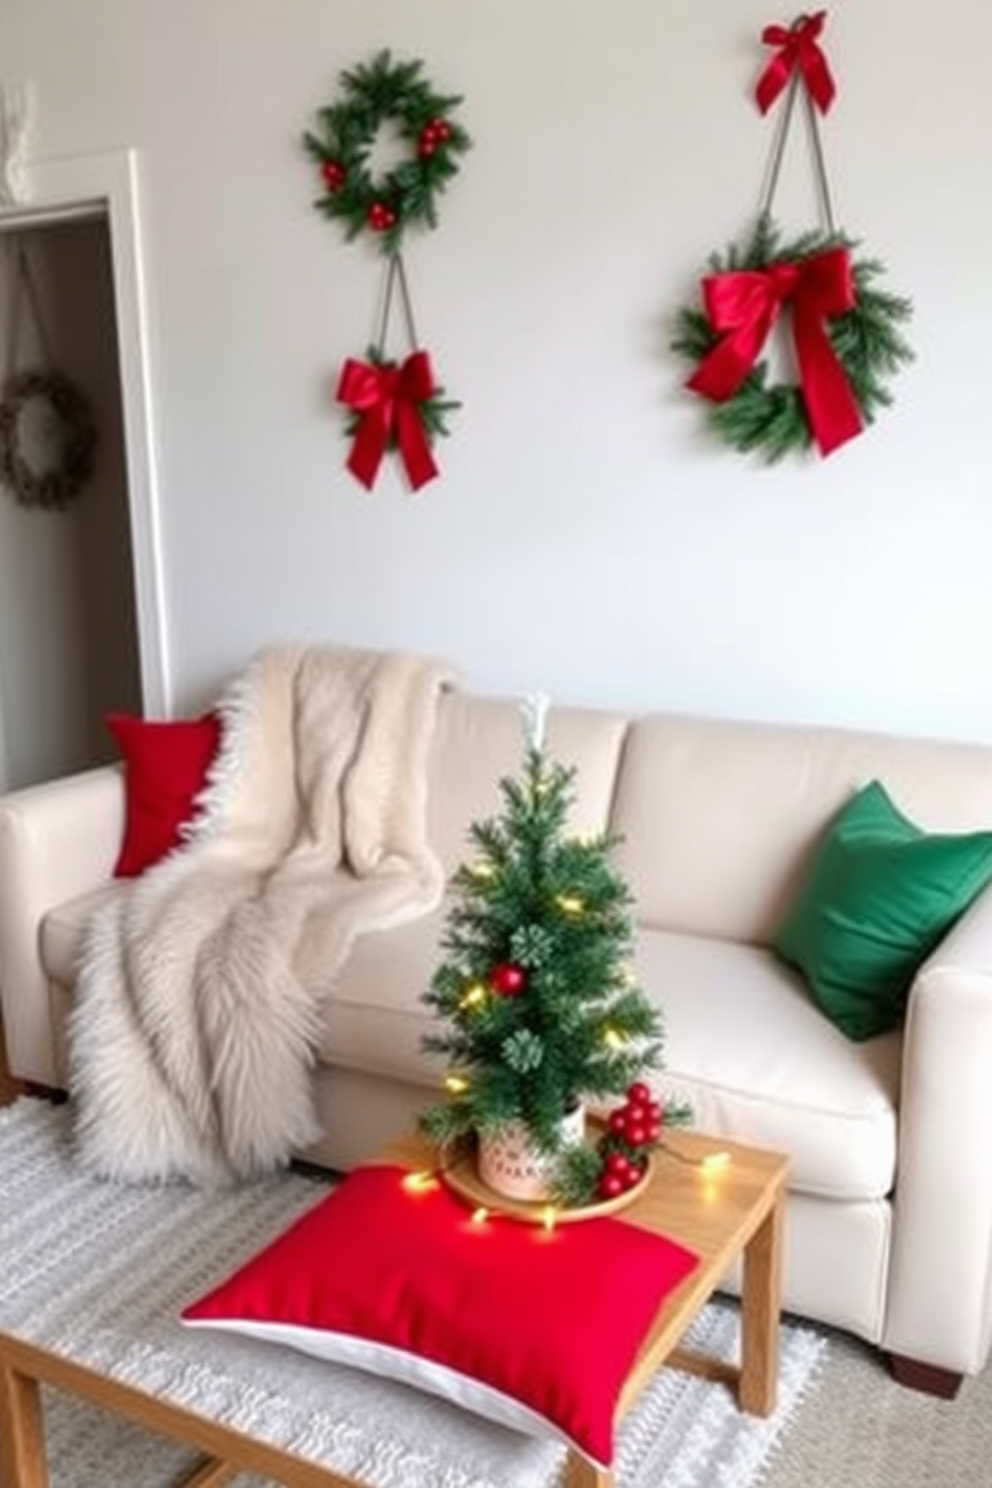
<point x="798" y="48"/>
<point x="416" y="379"/>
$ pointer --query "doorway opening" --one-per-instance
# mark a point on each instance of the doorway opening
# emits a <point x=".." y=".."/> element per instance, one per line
<point x="82" y="625"/>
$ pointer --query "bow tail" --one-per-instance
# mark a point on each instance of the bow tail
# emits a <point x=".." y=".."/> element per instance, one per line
<point x="831" y="407"/>
<point x="413" y="444"/>
<point x="369" y="445"/>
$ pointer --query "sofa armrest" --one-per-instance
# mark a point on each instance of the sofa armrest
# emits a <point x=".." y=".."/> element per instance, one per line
<point x="940" y="1292"/>
<point x="57" y="841"/>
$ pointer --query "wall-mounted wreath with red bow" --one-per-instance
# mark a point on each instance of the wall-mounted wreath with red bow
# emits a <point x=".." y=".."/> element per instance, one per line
<point x="393" y="404"/>
<point x="846" y="328"/>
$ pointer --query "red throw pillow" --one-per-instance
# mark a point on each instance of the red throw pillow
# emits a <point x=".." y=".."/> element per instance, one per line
<point x="165" y="768"/>
<point x="534" y="1329"/>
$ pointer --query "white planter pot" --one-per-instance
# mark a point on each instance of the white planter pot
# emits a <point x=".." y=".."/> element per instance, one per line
<point x="511" y="1165"/>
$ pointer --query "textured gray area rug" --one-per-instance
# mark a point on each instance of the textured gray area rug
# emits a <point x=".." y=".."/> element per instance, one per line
<point x="102" y="1271"/>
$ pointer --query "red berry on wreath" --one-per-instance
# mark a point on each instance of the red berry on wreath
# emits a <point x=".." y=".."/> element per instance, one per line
<point x="617" y="1123"/>
<point x="508" y="979"/>
<point x="334" y="174"/>
<point x="638" y="1093"/>
<point x="381" y="217"/>
<point x="611" y="1186"/>
<point x="440" y="128"/>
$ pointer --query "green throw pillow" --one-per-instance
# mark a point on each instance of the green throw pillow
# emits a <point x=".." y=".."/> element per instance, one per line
<point x="879" y="896"/>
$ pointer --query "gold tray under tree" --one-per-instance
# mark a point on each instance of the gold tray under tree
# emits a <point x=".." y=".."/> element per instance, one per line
<point x="460" y="1174"/>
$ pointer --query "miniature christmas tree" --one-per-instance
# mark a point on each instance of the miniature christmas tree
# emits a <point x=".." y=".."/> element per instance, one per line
<point x="540" y="1005"/>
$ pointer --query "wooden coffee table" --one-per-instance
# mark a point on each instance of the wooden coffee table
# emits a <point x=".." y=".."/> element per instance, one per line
<point x="724" y="1208"/>
<point x="725" y="1202"/>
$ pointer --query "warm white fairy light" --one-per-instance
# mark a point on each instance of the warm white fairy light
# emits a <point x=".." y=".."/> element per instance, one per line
<point x="715" y="1162"/>
<point x="613" y="1038"/>
<point x="455" y="1084"/>
<point x="549" y="1217"/>
<point x="474" y="996"/>
<point x="480" y="1215"/>
<point x="421" y="1182"/>
<point x="570" y="904"/>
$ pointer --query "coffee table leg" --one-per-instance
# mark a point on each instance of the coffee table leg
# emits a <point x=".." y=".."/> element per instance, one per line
<point x="760" y="1306"/>
<point x="580" y="1473"/>
<point x="22" y="1430"/>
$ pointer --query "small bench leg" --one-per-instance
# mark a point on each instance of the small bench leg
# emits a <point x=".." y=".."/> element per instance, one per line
<point x="580" y="1473"/>
<point x="930" y="1378"/>
<point x="210" y="1474"/>
<point x="22" y="1431"/>
<point x="758" y="1389"/>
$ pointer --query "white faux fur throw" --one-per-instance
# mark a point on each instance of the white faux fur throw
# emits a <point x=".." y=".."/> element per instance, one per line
<point x="198" y="1003"/>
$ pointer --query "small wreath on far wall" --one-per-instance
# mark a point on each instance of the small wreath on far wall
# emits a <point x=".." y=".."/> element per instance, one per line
<point x="47" y="439"/>
<point x="378" y="95"/>
<point x="846" y="329"/>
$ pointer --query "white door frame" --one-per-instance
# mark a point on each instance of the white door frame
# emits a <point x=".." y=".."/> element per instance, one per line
<point x="106" y="187"/>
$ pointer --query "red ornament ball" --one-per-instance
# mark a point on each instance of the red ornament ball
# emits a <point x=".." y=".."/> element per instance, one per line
<point x="434" y="133"/>
<point x="508" y="979"/>
<point x="381" y="217"/>
<point x="334" y="174"/>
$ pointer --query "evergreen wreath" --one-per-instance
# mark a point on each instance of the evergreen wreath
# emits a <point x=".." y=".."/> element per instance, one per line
<point x="377" y="93"/>
<point x="73" y="439"/>
<point x="772" y="418"/>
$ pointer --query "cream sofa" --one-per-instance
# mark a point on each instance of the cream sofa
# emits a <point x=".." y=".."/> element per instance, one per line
<point x="889" y="1229"/>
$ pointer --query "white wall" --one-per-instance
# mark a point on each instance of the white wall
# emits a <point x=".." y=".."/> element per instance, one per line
<point x="586" y="537"/>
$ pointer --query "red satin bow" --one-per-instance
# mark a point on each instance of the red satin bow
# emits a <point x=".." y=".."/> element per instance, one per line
<point x="743" y="306"/>
<point x="797" y="48"/>
<point x="387" y="398"/>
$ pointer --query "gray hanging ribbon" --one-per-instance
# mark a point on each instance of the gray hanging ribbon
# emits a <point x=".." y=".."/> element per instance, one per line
<point x="796" y="82"/>
<point x="25" y="293"/>
<point x="395" y="275"/>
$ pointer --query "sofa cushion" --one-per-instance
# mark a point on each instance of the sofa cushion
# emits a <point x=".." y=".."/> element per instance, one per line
<point x="744" y="1044"/>
<point x="759" y="1063"/>
<point x="374" y="1019"/>
<point x="720" y="818"/>
<point x="479" y="740"/>
<point x="394" y="1277"/>
<point x="63" y="928"/>
<point x="879" y="895"/>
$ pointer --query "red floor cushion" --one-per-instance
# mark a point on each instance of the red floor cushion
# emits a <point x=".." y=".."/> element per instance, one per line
<point x="536" y="1329"/>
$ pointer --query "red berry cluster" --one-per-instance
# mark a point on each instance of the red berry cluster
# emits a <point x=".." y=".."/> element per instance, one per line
<point x="381" y="216"/>
<point x="435" y="132"/>
<point x="334" y="174"/>
<point x="632" y="1131"/>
